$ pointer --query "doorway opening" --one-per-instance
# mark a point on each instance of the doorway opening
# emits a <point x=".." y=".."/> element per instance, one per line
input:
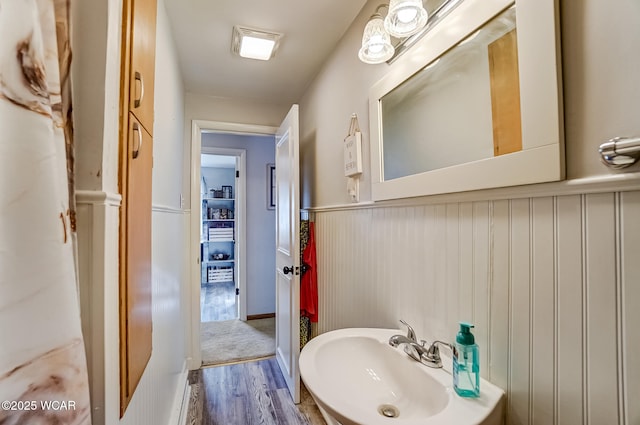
<point x="219" y="198"/>
<point x="284" y="226"/>
<point x="228" y="226"/>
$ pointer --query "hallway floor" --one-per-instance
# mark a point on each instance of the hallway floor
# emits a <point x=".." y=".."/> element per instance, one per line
<point x="218" y="302"/>
<point x="246" y="394"/>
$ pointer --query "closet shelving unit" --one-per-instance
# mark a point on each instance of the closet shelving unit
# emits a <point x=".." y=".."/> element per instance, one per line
<point x="218" y="238"/>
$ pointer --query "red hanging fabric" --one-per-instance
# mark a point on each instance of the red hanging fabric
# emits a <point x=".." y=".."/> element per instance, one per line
<point x="309" y="280"/>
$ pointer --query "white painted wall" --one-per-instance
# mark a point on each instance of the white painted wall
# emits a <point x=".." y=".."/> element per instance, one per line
<point x="548" y="273"/>
<point x="211" y="108"/>
<point x="96" y="83"/>
<point x="599" y="100"/>
<point x="260" y="231"/>
<point x="95" y="72"/>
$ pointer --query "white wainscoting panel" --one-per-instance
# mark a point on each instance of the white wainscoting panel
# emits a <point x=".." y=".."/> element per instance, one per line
<point x="571" y="313"/>
<point x="601" y="339"/>
<point x="153" y="400"/>
<point x="97" y="220"/>
<point x="544" y="308"/>
<point x="552" y="284"/>
<point x="152" y="403"/>
<point x="520" y="365"/>
<point x="498" y="285"/>
<point x="630" y="298"/>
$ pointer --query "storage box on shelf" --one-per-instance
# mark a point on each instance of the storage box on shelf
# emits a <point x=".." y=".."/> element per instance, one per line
<point x="221" y="234"/>
<point x="219" y="275"/>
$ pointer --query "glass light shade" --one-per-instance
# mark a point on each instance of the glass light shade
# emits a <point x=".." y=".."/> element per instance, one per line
<point x="405" y="18"/>
<point x="376" y="42"/>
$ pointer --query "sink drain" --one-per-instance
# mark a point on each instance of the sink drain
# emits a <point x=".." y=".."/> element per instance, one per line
<point x="388" y="411"/>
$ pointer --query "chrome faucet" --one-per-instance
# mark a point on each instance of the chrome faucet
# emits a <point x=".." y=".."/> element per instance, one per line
<point x="410" y="342"/>
<point x="429" y="356"/>
<point x="432" y="357"/>
<point x="412" y="348"/>
<point x="410" y="332"/>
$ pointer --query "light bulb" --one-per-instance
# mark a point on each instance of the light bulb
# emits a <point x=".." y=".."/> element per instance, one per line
<point x="407" y="15"/>
<point x="375" y="48"/>
<point x="405" y="18"/>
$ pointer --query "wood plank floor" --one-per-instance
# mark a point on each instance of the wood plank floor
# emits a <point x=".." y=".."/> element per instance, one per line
<point x="246" y="394"/>
<point x="218" y="302"/>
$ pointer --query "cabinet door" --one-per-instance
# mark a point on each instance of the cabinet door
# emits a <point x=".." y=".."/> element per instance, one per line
<point x="137" y="294"/>
<point x="143" y="50"/>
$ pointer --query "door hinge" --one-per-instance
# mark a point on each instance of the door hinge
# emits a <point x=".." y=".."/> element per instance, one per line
<point x="237" y="173"/>
<point x="237" y="291"/>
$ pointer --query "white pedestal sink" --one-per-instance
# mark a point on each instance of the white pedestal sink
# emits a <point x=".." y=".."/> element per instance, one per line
<point x="356" y="377"/>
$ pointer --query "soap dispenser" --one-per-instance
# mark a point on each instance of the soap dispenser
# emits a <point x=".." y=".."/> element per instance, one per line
<point x="466" y="363"/>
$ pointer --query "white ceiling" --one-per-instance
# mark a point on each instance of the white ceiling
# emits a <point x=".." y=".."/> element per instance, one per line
<point x="202" y="32"/>
<point x="217" y="161"/>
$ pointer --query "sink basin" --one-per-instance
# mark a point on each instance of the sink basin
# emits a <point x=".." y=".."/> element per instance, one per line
<point x="356" y="377"/>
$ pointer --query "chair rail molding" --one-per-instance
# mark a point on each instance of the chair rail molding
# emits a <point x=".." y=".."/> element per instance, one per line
<point x="98" y="197"/>
<point x="620" y="182"/>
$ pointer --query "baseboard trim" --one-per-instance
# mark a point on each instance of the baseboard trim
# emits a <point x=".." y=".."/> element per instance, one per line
<point x="181" y="400"/>
<point x="260" y="316"/>
<point x="184" y="411"/>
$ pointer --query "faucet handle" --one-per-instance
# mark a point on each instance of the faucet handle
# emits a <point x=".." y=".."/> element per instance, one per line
<point x="410" y="333"/>
<point x="432" y="357"/>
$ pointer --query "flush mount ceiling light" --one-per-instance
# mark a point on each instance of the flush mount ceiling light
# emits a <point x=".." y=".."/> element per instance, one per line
<point x="405" y="18"/>
<point x="254" y="44"/>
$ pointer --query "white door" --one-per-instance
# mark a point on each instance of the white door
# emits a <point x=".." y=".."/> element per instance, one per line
<point x="288" y="252"/>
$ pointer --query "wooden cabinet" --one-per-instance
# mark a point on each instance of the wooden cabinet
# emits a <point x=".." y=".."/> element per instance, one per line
<point x="136" y="162"/>
<point x="137" y="297"/>
<point x="142" y="70"/>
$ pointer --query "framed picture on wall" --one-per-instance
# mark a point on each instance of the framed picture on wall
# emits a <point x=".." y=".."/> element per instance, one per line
<point x="271" y="186"/>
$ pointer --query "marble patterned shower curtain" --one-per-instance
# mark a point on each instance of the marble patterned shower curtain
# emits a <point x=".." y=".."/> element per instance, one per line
<point x="43" y="373"/>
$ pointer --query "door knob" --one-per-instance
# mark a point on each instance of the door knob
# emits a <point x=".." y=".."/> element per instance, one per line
<point x="287" y="270"/>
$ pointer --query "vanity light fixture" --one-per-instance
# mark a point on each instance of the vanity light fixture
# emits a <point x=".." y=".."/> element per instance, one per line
<point x="376" y="41"/>
<point x="254" y="44"/>
<point x="405" y="18"/>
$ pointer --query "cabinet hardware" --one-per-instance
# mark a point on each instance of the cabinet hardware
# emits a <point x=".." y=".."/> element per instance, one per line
<point x="138" y="101"/>
<point x="136" y="127"/>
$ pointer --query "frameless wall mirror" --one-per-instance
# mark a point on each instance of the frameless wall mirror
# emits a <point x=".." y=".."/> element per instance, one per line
<point x="474" y="104"/>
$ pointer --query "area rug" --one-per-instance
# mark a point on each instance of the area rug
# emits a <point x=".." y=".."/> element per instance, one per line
<point x="230" y="341"/>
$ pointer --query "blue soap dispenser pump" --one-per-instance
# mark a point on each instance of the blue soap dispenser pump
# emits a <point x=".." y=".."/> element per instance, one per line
<point x="466" y="363"/>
